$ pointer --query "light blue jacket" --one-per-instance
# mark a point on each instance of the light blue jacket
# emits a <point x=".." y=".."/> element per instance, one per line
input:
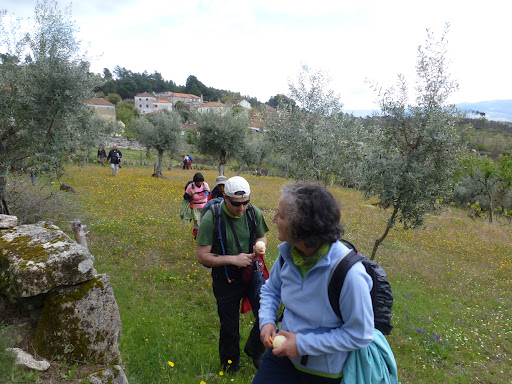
<point x="374" y="364"/>
<point x="320" y="333"/>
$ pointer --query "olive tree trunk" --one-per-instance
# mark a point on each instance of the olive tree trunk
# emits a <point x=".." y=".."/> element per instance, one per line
<point x="158" y="163"/>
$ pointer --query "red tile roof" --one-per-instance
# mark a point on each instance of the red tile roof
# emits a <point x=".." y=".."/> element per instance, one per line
<point x="212" y="104"/>
<point x="99" y="101"/>
<point x="185" y="95"/>
<point x="145" y="94"/>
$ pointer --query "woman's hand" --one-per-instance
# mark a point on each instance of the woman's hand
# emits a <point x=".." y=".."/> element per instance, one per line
<point x="289" y="347"/>
<point x="268" y="332"/>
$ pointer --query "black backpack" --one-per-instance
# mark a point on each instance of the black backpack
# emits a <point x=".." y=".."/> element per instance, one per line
<point x="381" y="294"/>
<point x="186" y="196"/>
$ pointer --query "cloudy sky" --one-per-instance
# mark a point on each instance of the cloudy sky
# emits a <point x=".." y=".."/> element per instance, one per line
<point x="256" y="47"/>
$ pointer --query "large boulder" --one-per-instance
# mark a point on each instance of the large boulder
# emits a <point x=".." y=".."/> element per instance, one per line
<point x="80" y="323"/>
<point x="39" y="257"/>
<point x="8" y="221"/>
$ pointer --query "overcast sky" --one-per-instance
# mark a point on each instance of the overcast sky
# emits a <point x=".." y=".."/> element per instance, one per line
<point x="255" y="47"/>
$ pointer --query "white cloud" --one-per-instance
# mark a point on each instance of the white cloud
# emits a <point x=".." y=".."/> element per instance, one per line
<point x="255" y="47"/>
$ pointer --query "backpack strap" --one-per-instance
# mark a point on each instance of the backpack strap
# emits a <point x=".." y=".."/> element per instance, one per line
<point x="337" y="278"/>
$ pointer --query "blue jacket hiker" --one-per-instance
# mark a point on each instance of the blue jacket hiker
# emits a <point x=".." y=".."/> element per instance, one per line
<point x="317" y="342"/>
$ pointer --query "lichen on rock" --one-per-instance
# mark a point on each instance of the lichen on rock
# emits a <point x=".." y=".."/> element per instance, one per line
<point x="80" y="323"/>
<point x="39" y="257"/>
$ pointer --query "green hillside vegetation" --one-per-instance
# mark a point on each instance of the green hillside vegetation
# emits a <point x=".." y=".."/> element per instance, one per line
<point x="450" y="280"/>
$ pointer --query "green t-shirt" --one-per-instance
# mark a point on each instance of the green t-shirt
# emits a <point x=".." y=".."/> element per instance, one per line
<point x="205" y="233"/>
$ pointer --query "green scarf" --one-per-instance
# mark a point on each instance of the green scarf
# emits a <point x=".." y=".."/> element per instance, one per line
<point x="225" y="209"/>
<point x="306" y="263"/>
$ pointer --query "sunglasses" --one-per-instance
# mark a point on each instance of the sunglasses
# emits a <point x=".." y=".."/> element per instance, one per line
<point x="238" y="203"/>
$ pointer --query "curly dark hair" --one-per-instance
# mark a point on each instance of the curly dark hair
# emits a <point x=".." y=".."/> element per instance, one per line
<point x="313" y="214"/>
<point x="198" y="178"/>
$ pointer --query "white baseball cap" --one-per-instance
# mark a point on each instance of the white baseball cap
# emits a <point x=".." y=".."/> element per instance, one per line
<point x="237" y="186"/>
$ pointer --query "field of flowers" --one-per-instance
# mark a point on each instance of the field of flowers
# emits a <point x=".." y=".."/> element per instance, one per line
<point x="451" y="281"/>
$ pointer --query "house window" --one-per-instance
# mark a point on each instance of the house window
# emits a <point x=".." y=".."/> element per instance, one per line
<point x="147" y="106"/>
<point x="140" y="105"/>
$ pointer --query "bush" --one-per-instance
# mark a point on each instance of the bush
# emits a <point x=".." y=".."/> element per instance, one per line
<point x="33" y="203"/>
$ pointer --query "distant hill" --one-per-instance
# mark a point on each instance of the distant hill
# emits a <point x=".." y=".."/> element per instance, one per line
<point x="495" y="110"/>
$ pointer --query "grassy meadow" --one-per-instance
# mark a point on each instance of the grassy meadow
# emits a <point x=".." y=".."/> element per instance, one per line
<point x="451" y="281"/>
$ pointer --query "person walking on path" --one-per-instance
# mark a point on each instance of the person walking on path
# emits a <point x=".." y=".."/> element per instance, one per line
<point x="231" y="256"/>
<point x="102" y="154"/>
<point x="198" y="191"/>
<point x="114" y="157"/>
<point x="218" y="191"/>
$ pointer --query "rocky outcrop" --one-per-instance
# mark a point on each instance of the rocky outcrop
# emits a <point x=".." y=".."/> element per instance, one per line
<point x="37" y="258"/>
<point x="75" y="309"/>
<point x="7" y="221"/>
<point x="113" y="375"/>
<point x="81" y="323"/>
<point x="27" y="361"/>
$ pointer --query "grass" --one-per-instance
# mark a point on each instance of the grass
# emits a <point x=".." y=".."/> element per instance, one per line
<point x="451" y="281"/>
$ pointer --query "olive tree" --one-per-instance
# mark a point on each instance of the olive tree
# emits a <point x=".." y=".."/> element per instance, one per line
<point x="411" y="153"/>
<point x="161" y="131"/>
<point x="315" y="135"/>
<point x="221" y="134"/>
<point x="44" y="84"/>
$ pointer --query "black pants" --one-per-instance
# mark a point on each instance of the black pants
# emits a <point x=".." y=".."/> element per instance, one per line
<point x="228" y="297"/>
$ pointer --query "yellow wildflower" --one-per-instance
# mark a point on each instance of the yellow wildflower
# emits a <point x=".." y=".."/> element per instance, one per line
<point x="170" y="363"/>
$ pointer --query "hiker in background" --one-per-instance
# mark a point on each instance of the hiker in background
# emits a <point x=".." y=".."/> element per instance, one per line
<point x="317" y="341"/>
<point x="187" y="162"/>
<point x="102" y="154"/>
<point x="114" y="157"/>
<point x="218" y="191"/>
<point x="198" y="191"/>
<point x="242" y="225"/>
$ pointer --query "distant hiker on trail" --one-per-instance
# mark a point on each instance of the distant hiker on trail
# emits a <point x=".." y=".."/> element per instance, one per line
<point x="102" y="154"/>
<point x="187" y="162"/>
<point x="198" y="191"/>
<point x="237" y="268"/>
<point x="218" y="191"/>
<point x="114" y="157"/>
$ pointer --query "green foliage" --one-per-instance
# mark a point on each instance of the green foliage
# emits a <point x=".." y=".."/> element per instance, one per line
<point x="485" y="182"/>
<point x="114" y="98"/>
<point x="313" y="138"/>
<point x="44" y="85"/>
<point x="410" y="153"/>
<point x="126" y="112"/>
<point x="221" y="135"/>
<point x="161" y="131"/>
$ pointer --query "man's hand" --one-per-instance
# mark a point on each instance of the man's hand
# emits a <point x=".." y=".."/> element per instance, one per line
<point x="289" y="347"/>
<point x="243" y="259"/>
<point x="268" y="332"/>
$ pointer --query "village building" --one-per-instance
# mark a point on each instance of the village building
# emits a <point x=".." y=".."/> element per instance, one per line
<point x="103" y="108"/>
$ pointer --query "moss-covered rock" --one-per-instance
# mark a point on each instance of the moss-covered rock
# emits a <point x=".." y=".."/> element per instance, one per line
<point x="111" y="375"/>
<point x="80" y="323"/>
<point x="39" y="257"/>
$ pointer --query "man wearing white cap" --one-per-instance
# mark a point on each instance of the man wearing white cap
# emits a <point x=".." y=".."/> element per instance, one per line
<point x="225" y="242"/>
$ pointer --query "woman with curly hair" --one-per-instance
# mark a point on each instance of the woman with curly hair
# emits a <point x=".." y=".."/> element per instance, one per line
<point x="317" y="342"/>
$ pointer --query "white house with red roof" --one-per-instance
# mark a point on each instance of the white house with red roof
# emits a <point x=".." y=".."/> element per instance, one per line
<point x="191" y="101"/>
<point x="215" y="106"/>
<point x="147" y="103"/>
